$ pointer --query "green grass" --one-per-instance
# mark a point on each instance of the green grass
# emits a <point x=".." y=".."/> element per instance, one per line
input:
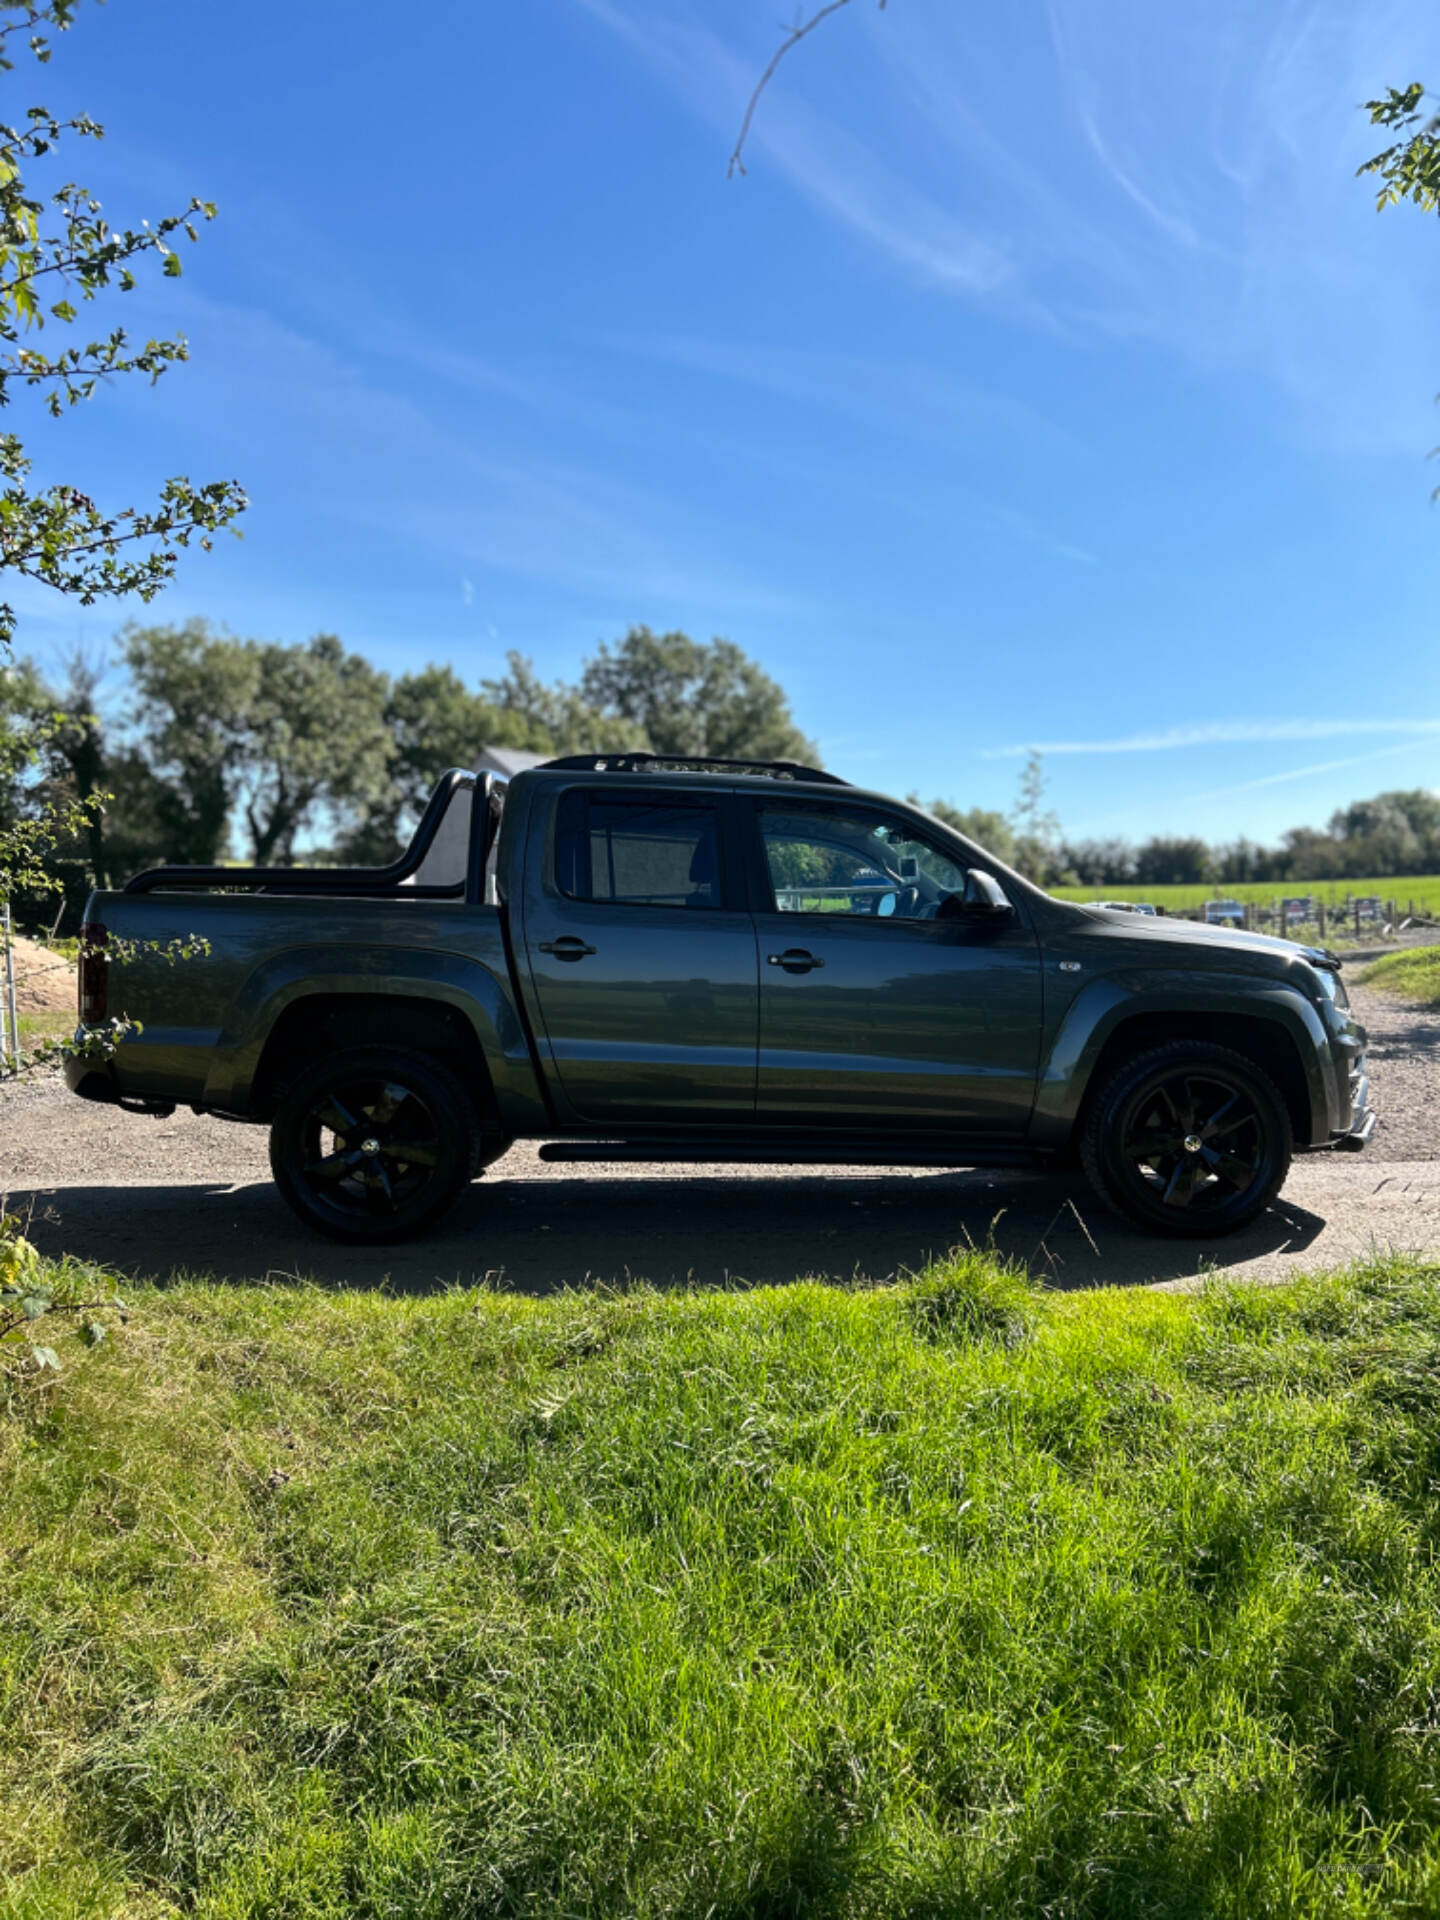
<point x="53" y="1024"/>
<point x="1411" y="976"/>
<point x="942" y="1599"/>
<point x="1423" y="889"/>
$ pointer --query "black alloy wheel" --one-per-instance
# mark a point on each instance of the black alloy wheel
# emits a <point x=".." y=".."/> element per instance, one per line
<point x="374" y="1143"/>
<point x="1191" y="1139"/>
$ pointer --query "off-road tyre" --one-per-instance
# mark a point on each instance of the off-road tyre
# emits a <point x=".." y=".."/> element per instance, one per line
<point x="338" y="1140"/>
<point x="1189" y="1139"/>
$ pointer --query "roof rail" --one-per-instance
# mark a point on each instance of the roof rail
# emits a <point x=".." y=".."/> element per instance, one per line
<point x="698" y="762"/>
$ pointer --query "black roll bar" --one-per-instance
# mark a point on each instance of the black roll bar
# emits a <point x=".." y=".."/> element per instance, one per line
<point x="352" y="882"/>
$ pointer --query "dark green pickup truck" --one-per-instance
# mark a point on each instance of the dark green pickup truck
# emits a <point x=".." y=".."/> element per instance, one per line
<point x="638" y="959"/>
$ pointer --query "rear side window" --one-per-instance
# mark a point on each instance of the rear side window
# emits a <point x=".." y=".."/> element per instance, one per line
<point x="637" y="852"/>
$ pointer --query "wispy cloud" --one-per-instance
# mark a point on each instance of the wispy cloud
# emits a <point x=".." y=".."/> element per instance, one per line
<point x="371" y="456"/>
<point x="836" y="171"/>
<point x="1316" y="770"/>
<point x="1222" y="733"/>
<point x="1135" y="175"/>
<point x="906" y="395"/>
<point x="1307" y="773"/>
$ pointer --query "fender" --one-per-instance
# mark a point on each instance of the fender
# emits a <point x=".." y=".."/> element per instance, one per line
<point x="1103" y="1005"/>
<point x="478" y="989"/>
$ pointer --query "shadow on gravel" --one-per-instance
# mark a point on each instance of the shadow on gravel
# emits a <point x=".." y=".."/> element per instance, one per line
<point x="536" y="1235"/>
<point x="1421" y="1036"/>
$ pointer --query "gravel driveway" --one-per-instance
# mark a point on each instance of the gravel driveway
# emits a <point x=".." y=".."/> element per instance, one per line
<point x="159" y="1197"/>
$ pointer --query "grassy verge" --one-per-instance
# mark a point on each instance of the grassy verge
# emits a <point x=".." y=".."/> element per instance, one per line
<point x="941" y="1599"/>
<point x="50" y="1025"/>
<point x="1414" y="975"/>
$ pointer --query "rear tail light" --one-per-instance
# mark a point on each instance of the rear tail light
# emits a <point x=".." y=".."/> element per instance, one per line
<point x="94" y="975"/>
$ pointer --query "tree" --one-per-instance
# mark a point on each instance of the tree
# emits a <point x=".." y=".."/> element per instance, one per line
<point x="987" y="829"/>
<point x="1097" y="863"/>
<point x="39" y="820"/>
<point x="312" y="735"/>
<point x="1037" y="829"/>
<point x="192" y="688"/>
<point x="1173" y="861"/>
<point x="1393" y="833"/>
<point x="553" y="719"/>
<point x="279" y="733"/>
<point x="55" y="251"/>
<point x="688" y="697"/>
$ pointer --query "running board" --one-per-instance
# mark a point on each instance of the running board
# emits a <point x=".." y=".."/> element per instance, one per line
<point x="788" y="1153"/>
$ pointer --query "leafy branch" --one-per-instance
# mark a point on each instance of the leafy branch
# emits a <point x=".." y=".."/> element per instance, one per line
<point x="58" y="252"/>
<point x="1410" y="169"/>
<point x="59" y="536"/>
<point x="58" y="14"/>
<point x="792" y="39"/>
<point x="28" y="1296"/>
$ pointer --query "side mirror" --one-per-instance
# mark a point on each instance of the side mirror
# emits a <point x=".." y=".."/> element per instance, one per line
<point x="982" y="898"/>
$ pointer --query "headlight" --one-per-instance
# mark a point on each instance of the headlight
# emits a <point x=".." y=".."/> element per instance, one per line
<point x="1331" y="985"/>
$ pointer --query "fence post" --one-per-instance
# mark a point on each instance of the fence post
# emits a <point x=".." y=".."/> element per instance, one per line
<point x="1321" y="911"/>
<point x="11" y="1024"/>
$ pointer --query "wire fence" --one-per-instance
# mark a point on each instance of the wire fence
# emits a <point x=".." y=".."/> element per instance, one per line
<point x="1366" y="916"/>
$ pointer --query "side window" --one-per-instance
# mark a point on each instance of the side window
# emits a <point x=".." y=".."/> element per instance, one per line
<point x="637" y="852"/>
<point x="851" y="861"/>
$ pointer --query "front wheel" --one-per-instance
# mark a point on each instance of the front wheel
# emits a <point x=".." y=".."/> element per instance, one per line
<point x="1190" y="1139"/>
<point x="374" y="1144"/>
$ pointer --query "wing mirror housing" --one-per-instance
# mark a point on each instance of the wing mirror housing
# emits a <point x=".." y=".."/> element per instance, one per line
<point x="983" y="898"/>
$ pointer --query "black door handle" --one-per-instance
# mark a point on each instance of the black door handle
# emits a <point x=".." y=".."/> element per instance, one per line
<point x="795" y="960"/>
<point x="568" y="947"/>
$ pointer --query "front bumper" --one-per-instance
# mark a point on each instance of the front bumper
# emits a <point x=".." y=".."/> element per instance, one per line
<point x="1363" y="1117"/>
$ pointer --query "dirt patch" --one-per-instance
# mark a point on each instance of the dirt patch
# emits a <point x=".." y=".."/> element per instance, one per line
<point x="44" y="980"/>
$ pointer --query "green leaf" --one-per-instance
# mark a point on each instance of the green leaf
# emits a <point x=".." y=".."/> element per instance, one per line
<point x="93" y="1332"/>
<point x="35" y="1306"/>
<point x="46" y="1359"/>
<point x="173" y="268"/>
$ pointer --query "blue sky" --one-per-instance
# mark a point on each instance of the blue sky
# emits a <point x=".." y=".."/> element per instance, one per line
<point x="1050" y="380"/>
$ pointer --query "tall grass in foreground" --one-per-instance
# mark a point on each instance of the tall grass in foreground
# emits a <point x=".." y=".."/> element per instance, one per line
<point x="939" y="1599"/>
<point x="1413" y="975"/>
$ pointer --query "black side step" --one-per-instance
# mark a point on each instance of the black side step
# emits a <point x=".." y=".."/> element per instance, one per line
<point x="807" y="1152"/>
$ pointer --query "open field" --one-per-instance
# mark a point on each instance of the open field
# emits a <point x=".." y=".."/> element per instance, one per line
<point x="940" y="1598"/>
<point x="1423" y="889"/>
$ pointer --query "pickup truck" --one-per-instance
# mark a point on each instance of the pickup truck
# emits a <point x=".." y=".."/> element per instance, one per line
<point x="633" y="958"/>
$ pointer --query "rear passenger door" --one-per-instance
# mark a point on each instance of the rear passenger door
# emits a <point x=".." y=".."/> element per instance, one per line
<point x="642" y="955"/>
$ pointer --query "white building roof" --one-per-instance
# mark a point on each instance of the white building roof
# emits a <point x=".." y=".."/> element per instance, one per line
<point x="506" y="762"/>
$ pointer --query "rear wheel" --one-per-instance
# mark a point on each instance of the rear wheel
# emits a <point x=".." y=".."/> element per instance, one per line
<point x="374" y="1144"/>
<point x="1190" y="1139"/>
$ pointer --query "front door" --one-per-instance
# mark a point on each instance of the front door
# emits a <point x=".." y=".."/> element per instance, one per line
<point x="644" y="972"/>
<point x="881" y="1004"/>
